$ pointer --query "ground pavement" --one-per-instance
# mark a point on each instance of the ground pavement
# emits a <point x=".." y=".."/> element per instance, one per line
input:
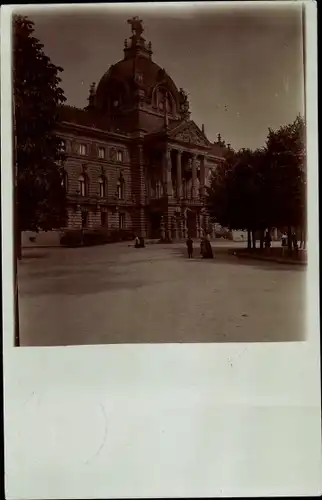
<point x="116" y="293"/>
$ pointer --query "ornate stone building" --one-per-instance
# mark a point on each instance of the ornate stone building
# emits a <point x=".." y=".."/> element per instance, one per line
<point x="135" y="159"/>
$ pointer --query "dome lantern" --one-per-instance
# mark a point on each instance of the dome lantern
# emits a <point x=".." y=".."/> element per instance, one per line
<point x="137" y="44"/>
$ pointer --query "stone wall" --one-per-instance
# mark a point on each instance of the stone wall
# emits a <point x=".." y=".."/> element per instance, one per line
<point x="31" y="239"/>
<point x="94" y="168"/>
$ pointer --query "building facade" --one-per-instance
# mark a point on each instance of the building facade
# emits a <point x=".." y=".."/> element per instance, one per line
<point x="135" y="159"/>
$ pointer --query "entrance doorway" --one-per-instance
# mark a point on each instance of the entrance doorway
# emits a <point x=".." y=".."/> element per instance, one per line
<point x="192" y="223"/>
<point x="155" y="225"/>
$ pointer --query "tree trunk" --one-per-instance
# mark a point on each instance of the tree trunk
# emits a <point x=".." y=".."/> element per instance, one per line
<point x="254" y="238"/>
<point x="249" y="239"/>
<point x="289" y="237"/>
<point x="18" y="245"/>
<point x="262" y="239"/>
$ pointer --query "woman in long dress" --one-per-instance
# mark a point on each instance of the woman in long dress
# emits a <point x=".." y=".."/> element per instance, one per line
<point x="206" y="249"/>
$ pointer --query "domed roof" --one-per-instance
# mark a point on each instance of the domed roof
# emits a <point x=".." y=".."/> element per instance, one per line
<point x="136" y="70"/>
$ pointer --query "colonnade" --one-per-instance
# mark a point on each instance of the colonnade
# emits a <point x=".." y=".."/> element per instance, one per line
<point x="177" y="226"/>
<point x="192" y="161"/>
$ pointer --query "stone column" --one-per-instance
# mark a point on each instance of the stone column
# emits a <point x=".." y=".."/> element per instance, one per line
<point x="167" y="166"/>
<point x="184" y="225"/>
<point x="202" y="176"/>
<point x="198" y="227"/>
<point x="164" y="174"/>
<point x="201" y="225"/>
<point x="194" y="177"/>
<point x="179" y="175"/>
<point x="162" y="229"/>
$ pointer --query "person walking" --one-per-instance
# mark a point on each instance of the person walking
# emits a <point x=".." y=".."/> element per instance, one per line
<point x="189" y="244"/>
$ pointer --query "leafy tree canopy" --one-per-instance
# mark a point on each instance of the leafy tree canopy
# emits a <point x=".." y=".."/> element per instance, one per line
<point x="39" y="156"/>
<point x="263" y="188"/>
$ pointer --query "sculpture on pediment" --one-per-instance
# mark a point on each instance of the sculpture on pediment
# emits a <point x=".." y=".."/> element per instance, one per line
<point x="190" y="136"/>
<point x="184" y="137"/>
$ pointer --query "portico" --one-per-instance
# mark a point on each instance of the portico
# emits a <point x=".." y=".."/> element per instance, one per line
<point x="176" y="190"/>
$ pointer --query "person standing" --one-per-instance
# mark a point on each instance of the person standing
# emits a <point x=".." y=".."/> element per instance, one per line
<point x="189" y="244"/>
<point x="267" y="240"/>
<point x="295" y="242"/>
<point x="205" y="248"/>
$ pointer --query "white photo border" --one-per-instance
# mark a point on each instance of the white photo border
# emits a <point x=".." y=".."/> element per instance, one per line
<point x="189" y="420"/>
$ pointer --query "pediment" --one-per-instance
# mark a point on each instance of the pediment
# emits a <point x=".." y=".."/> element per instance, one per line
<point x="189" y="132"/>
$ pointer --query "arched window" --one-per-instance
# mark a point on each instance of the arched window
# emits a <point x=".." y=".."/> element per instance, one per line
<point x="83" y="184"/>
<point x="120" y="189"/>
<point x="64" y="180"/>
<point x="119" y="156"/>
<point x="163" y="98"/>
<point x="102" y="183"/>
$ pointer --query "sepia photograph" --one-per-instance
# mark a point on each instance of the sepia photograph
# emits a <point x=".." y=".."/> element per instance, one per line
<point x="160" y="174"/>
<point x="160" y="250"/>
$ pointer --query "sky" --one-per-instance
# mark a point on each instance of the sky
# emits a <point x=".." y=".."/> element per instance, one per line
<point x="242" y="66"/>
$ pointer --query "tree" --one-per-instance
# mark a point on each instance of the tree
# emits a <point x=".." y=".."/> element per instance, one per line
<point x="233" y="197"/>
<point x="285" y="149"/>
<point x="257" y="190"/>
<point x="40" y="195"/>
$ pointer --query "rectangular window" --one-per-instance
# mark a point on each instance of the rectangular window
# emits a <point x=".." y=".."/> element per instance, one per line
<point x="84" y="219"/>
<point x="119" y="156"/>
<point x="101" y="153"/>
<point x="121" y="221"/>
<point x="103" y="219"/>
<point x="83" y="149"/>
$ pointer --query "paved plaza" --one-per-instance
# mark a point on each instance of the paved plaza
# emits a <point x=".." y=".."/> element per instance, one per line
<point x="116" y="293"/>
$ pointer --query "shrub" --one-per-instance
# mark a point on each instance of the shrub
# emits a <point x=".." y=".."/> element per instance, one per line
<point x="97" y="236"/>
<point x="71" y="238"/>
<point x="120" y="235"/>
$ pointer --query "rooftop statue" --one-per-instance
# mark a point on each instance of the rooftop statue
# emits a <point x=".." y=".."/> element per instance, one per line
<point x="184" y="104"/>
<point x="136" y="24"/>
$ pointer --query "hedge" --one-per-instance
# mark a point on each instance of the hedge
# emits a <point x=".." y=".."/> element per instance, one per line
<point x="90" y="237"/>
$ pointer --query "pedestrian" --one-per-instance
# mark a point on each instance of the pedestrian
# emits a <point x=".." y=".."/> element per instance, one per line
<point x="295" y="242"/>
<point x="189" y="244"/>
<point x="141" y="242"/>
<point x="267" y="240"/>
<point x="205" y="248"/>
<point x="137" y="242"/>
